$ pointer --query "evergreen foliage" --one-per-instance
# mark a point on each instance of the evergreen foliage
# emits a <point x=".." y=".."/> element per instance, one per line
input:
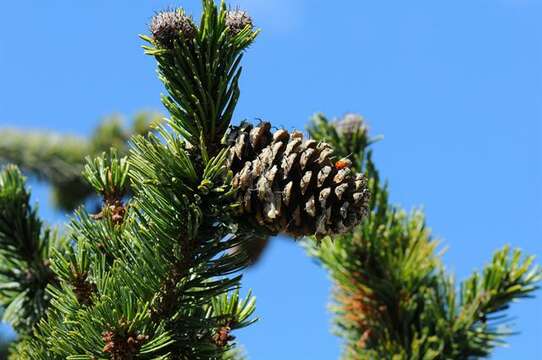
<point x="25" y="248"/>
<point x="155" y="273"/>
<point x="59" y="159"/>
<point x="201" y="73"/>
<point x="113" y="299"/>
<point x="393" y="298"/>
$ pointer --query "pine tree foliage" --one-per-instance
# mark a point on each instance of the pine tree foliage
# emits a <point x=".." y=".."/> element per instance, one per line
<point x="201" y="74"/>
<point x="155" y="273"/>
<point x="113" y="299"/>
<point x="25" y="248"/>
<point x="393" y="299"/>
<point x="59" y="159"/>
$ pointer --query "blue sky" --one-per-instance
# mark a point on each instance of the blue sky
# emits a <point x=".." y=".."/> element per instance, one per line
<point x="455" y="87"/>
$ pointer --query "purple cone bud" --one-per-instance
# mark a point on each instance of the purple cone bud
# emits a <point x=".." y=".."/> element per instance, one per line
<point x="350" y="124"/>
<point x="168" y="26"/>
<point x="237" y="20"/>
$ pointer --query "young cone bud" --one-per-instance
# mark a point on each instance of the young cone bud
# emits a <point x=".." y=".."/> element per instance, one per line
<point x="350" y="124"/>
<point x="289" y="184"/>
<point x="237" y="20"/>
<point x="168" y="26"/>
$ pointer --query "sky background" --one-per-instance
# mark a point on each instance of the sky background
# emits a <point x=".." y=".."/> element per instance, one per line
<point x="455" y="87"/>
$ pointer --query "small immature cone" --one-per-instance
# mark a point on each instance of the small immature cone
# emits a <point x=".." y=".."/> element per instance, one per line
<point x="350" y="124"/>
<point x="237" y="20"/>
<point x="168" y="26"/>
<point x="289" y="184"/>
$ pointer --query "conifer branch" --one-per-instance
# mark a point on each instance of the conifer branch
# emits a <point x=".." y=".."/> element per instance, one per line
<point x="200" y="71"/>
<point x="25" y="246"/>
<point x="59" y="159"/>
<point x="155" y="275"/>
<point x="154" y="281"/>
<point x="392" y="294"/>
<point x="480" y="320"/>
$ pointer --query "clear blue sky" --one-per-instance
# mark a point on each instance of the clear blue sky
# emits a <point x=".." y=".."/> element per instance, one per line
<point x="454" y="86"/>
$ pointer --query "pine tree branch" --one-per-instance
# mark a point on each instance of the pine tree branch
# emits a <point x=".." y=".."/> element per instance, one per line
<point x="484" y="297"/>
<point x="201" y="73"/>
<point x="54" y="157"/>
<point x="59" y="159"/>
<point x="25" y="244"/>
<point x="152" y="281"/>
<point x="393" y="298"/>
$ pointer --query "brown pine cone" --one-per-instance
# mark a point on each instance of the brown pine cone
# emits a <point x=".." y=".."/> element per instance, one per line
<point x="289" y="184"/>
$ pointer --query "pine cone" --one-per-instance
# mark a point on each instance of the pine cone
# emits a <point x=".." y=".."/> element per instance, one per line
<point x="289" y="184"/>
